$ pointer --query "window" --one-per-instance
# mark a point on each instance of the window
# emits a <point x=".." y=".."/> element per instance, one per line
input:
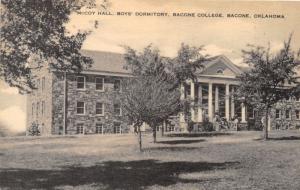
<point x="277" y="115"/>
<point x="37" y="109"/>
<point x="43" y="108"/>
<point x="188" y="90"/>
<point x="238" y="110"/>
<point x="32" y="109"/>
<point x="117" y="109"/>
<point x="80" y="82"/>
<point x="117" y="85"/>
<point x="80" y="108"/>
<point x="99" y="108"/>
<point x="287" y="114"/>
<point x="297" y="114"/>
<point x="99" y="128"/>
<point x="117" y="128"/>
<point x="61" y="130"/>
<point x="80" y="129"/>
<point x="38" y="84"/>
<point x="43" y="84"/>
<point x="251" y="112"/>
<point x="100" y="83"/>
<point x="220" y="71"/>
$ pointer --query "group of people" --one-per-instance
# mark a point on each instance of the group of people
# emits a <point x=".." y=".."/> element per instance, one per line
<point x="220" y="123"/>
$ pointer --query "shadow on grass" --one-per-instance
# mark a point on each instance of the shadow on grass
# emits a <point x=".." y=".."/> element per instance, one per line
<point x="171" y="149"/>
<point x="204" y="134"/>
<point x="172" y="142"/>
<point x="280" y="138"/>
<point x="109" y="175"/>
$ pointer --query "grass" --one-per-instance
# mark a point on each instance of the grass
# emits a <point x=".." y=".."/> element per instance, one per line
<point x="238" y="160"/>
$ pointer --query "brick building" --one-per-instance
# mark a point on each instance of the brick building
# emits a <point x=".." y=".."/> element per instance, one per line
<point x="89" y="103"/>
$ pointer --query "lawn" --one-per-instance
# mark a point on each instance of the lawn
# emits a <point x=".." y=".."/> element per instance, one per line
<point x="236" y="160"/>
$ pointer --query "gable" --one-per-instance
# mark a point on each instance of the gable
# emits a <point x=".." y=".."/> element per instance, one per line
<point x="221" y="66"/>
<point x="217" y="67"/>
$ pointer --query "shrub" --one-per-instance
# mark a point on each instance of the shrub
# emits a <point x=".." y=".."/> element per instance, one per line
<point x="254" y="125"/>
<point x="207" y="126"/>
<point x="190" y="126"/>
<point x="34" y="130"/>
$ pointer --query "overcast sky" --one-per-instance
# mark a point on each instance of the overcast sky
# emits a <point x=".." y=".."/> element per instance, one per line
<point x="226" y="36"/>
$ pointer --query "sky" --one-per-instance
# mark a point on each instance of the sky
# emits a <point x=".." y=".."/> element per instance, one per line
<point x="224" y="35"/>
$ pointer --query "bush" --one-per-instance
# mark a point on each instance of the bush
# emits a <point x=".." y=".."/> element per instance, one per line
<point x="190" y="126"/>
<point x="207" y="126"/>
<point x="34" y="130"/>
<point x="254" y="125"/>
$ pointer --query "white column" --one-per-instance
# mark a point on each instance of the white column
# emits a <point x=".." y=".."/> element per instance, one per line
<point x="182" y="92"/>
<point x="200" y="113"/>
<point x="227" y="116"/>
<point x="217" y="99"/>
<point x="269" y="122"/>
<point x="193" y="99"/>
<point x="210" y="102"/>
<point x="192" y="90"/>
<point x="243" y="113"/>
<point x="200" y="94"/>
<point x="232" y="103"/>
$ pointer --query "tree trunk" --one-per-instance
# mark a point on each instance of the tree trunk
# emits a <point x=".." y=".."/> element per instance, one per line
<point x="140" y="138"/>
<point x="163" y="128"/>
<point x="266" y="137"/>
<point x="154" y="134"/>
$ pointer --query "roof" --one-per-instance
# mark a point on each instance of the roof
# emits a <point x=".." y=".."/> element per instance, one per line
<point x="244" y="69"/>
<point x="110" y="62"/>
<point x="106" y="61"/>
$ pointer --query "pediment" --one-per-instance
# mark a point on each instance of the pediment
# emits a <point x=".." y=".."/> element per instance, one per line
<point x="222" y="66"/>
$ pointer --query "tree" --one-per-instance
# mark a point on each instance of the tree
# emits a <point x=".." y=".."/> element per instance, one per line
<point x="34" y="31"/>
<point x="153" y="94"/>
<point x="268" y="80"/>
<point x="149" y="99"/>
<point x="184" y="66"/>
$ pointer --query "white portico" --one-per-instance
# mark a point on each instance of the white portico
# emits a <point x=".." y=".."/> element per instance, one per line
<point x="213" y="92"/>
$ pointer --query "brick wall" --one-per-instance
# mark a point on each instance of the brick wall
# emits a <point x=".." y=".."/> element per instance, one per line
<point x="42" y="97"/>
<point x="90" y="96"/>
<point x="291" y="105"/>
